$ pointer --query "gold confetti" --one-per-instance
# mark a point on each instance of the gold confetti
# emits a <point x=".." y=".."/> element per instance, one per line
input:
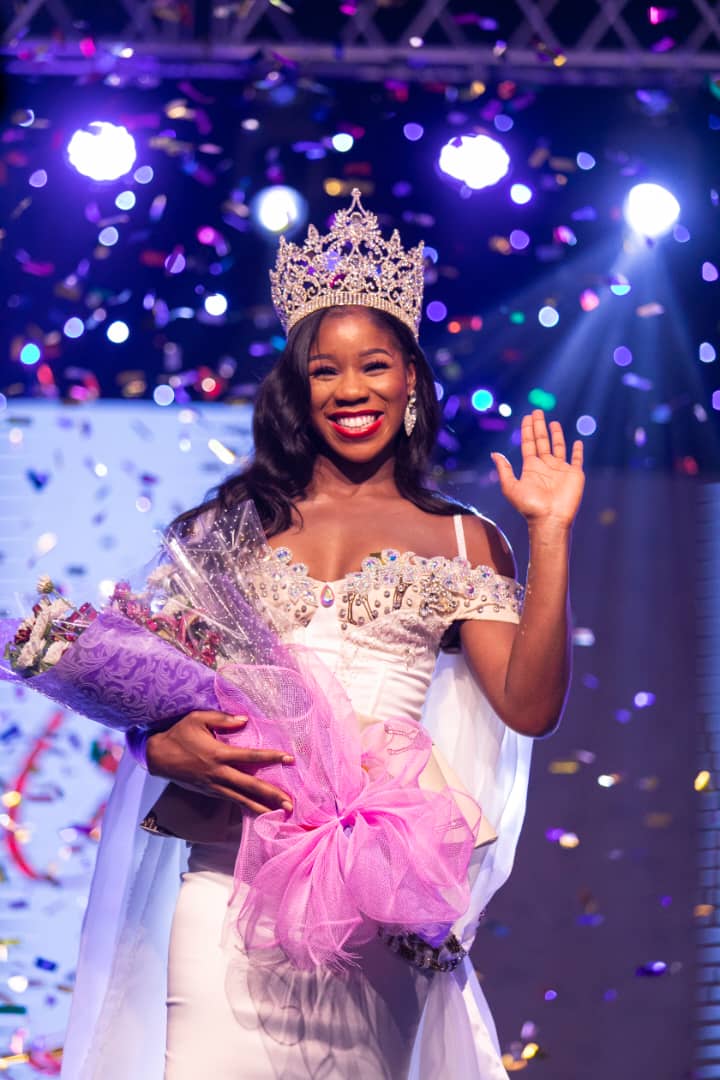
<point x="563" y="768"/>
<point x="702" y="780"/>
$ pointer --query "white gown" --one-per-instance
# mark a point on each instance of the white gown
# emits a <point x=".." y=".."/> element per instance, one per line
<point x="379" y="631"/>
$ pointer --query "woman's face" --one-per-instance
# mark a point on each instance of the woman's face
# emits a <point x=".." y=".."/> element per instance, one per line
<point x="359" y="384"/>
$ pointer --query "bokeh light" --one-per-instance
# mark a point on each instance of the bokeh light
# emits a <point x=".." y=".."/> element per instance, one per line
<point x="342" y="142"/>
<point x="278" y="209"/>
<point x="482" y="400"/>
<point x="585" y="161"/>
<point x="651" y="209"/>
<point x="163" y="395"/>
<point x="215" y="304"/>
<point x="548" y="316"/>
<point x="586" y="425"/>
<point x="108" y="236"/>
<point x="477" y="160"/>
<point x="436" y="311"/>
<point x="103" y="151"/>
<point x="117" y="332"/>
<point x="74" y="327"/>
<point x="30" y="353"/>
<point x="521" y="194"/>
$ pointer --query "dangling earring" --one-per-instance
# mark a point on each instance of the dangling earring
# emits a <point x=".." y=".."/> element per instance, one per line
<point x="410" y="413"/>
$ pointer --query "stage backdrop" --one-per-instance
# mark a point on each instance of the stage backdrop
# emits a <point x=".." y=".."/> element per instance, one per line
<point x="586" y="954"/>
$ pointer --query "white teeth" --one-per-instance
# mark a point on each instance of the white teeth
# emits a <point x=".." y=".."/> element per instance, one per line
<point x="355" y="423"/>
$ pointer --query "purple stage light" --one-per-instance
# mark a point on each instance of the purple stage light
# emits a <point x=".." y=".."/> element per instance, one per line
<point x="477" y="160"/>
<point x="103" y="152"/>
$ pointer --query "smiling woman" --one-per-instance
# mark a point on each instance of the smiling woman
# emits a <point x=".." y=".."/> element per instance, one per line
<point x="372" y="575"/>
<point x="360" y="381"/>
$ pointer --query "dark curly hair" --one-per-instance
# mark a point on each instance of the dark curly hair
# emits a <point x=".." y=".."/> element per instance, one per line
<point x="286" y="446"/>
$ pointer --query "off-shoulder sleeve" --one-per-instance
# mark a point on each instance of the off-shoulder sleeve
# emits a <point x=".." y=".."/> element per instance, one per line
<point x="485" y="594"/>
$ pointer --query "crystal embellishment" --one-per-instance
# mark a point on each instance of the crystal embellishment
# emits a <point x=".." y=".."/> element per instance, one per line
<point x="352" y="264"/>
<point x="327" y="596"/>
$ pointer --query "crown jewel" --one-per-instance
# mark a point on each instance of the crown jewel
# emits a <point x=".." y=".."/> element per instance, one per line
<point x="352" y="264"/>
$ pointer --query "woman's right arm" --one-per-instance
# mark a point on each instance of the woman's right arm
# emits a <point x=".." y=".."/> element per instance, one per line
<point x="189" y="754"/>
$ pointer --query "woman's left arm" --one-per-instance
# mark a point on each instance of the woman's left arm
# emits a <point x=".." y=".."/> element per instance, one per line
<point x="524" y="669"/>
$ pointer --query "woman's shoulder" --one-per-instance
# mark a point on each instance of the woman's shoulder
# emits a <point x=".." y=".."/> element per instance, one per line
<point x="486" y="543"/>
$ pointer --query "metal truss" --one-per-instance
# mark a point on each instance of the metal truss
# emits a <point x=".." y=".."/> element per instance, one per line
<point x="581" y="42"/>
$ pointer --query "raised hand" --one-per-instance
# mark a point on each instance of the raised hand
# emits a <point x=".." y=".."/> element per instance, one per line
<point x="550" y="487"/>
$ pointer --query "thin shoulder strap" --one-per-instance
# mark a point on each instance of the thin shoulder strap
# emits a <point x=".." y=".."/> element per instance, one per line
<point x="460" y="536"/>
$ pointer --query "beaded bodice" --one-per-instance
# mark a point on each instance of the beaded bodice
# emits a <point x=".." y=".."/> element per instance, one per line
<point x="387" y="584"/>
<point x="380" y="628"/>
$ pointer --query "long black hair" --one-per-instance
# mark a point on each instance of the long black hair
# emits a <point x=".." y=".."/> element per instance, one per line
<point x="286" y="445"/>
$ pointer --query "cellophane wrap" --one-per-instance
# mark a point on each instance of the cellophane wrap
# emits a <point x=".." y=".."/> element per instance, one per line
<point x="364" y="846"/>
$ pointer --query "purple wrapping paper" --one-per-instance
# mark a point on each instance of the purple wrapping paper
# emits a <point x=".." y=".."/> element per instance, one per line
<point x="120" y="674"/>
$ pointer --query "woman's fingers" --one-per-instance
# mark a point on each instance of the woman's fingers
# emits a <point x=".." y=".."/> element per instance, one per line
<point x="248" y="786"/>
<point x="233" y="796"/>
<point x="558" y="440"/>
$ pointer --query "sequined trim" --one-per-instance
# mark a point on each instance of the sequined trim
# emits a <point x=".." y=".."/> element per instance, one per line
<point x="389" y="582"/>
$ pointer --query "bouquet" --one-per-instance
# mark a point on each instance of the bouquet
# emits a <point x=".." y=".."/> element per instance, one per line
<point x="366" y="848"/>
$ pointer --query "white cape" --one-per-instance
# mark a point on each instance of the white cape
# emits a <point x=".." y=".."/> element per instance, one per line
<point x="117" y="1020"/>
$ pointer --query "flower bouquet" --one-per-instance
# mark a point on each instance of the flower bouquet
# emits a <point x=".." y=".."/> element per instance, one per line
<point x="365" y="848"/>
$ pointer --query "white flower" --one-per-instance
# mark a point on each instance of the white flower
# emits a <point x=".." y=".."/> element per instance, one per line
<point x="27" y="655"/>
<point x="38" y="631"/>
<point x="55" y="651"/>
<point x="58" y="608"/>
<point x="173" y="606"/>
<point x="160" y="575"/>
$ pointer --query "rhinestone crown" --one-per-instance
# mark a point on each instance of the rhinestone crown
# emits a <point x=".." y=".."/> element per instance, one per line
<point x="353" y="264"/>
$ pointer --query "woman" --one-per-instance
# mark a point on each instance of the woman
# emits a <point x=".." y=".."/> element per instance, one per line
<point x="383" y="578"/>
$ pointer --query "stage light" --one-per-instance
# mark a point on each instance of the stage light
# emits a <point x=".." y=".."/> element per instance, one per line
<point x="707" y="352"/>
<point x="216" y="304"/>
<point x="622" y="356"/>
<point x="521" y="194"/>
<point x="709" y="271"/>
<point x="482" y="400"/>
<point x="278" y="209"/>
<point x="477" y="160"/>
<point x="38" y="179"/>
<point x="103" y="152"/>
<point x="125" y="200"/>
<point x="144" y="174"/>
<point x="651" y="210"/>
<point x="585" y="161"/>
<point x="413" y="132"/>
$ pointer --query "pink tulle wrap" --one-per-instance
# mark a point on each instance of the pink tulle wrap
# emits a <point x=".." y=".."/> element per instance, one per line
<point x="364" y="845"/>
